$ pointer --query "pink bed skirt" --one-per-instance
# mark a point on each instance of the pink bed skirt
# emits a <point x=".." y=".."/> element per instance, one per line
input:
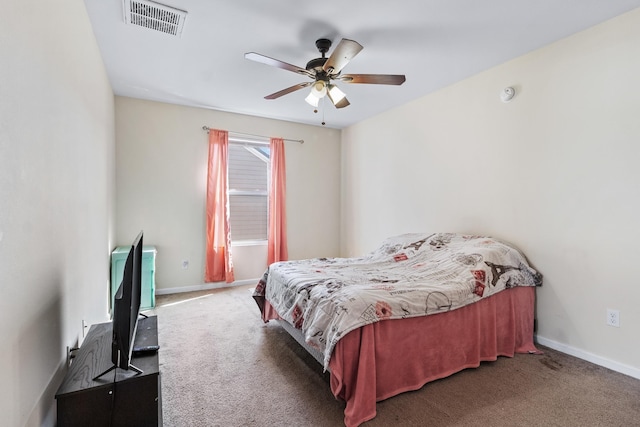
<point x="390" y="357"/>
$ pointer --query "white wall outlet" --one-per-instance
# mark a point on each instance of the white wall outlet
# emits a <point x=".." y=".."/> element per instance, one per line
<point x="84" y="327"/>
<point x="613" y="317"/>
<point x="185" y="264"/>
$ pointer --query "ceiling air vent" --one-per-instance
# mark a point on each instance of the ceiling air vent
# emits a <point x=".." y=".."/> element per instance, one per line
<point x="155" y="16"/>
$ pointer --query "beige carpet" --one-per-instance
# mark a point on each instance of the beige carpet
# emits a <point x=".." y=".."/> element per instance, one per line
<point x="222" y="366"/>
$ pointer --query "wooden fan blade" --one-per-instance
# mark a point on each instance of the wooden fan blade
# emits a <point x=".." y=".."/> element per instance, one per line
<point x="342" y="54"/>
<point x="288" y="90"/>
<point x="380" y="79"/>
<point x="276" y="63"/>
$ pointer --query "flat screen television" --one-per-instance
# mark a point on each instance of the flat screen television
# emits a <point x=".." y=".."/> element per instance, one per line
<point x="126" y="310"/>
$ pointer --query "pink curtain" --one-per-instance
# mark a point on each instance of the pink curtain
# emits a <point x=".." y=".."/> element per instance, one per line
<point x="218" y="264"/>
<point x="277" y="243"/>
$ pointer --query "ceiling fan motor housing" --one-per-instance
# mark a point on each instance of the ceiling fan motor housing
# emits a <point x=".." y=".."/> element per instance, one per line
<point x="316" y="64"/>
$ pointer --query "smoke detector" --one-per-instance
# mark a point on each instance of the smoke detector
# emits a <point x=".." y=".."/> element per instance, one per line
<point x="507" y="94"/>
<point x="155" y="16"/>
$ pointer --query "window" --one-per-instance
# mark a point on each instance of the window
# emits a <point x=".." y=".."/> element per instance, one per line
<point x="248" y="177"/>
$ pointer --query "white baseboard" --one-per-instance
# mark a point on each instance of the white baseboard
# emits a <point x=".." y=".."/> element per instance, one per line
<point x="206" y="286"/>
<point x="590" y="357"/>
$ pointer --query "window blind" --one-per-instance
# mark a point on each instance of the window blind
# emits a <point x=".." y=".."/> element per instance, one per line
<point x="248" y="173"/>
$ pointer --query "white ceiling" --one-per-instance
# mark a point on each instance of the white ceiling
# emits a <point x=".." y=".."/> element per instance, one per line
<point x="433" y="42"/>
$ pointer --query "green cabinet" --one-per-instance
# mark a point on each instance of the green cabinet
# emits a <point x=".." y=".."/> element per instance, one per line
<point x="119" y="258"/>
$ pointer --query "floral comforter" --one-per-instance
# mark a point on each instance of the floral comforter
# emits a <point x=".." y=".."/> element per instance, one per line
<point x="408" y="275"/>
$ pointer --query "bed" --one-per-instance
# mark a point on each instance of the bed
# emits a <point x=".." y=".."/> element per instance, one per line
<point x="418" y="308"/>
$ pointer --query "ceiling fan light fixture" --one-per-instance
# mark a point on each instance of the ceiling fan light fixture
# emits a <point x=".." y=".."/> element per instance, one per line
<point x="312" y="99"/>
<point x="319" y="89"/>
<point x="336" y="94"/>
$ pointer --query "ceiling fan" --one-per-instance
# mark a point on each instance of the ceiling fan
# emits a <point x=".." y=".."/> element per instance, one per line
<point x="324" y="71"/>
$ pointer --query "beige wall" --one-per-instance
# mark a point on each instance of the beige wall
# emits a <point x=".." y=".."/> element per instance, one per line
<point x="161" y="178"/>
<point x="554" y="171"/>
<point x="57" y="183"/>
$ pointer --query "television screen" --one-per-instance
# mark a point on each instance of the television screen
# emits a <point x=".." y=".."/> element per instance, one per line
<point x="126" y="309"/>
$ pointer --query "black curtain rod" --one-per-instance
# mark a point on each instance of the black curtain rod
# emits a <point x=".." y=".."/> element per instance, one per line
<point x="301" y="141"/>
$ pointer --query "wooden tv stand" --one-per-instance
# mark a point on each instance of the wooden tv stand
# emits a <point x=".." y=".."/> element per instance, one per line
<point x="118" y="398"/>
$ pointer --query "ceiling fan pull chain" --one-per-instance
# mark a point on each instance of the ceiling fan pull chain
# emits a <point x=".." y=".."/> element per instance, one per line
<point x="323" y="110"/>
